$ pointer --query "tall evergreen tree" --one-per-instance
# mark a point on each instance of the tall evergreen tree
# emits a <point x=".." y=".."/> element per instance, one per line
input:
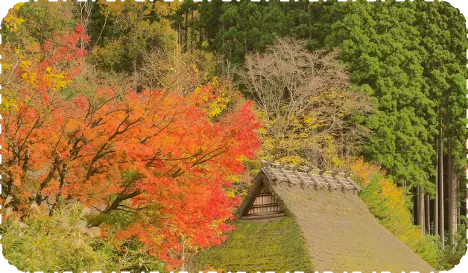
<point x="236" y="28"/>
<point x="381" y="45"/>
<point x="444" y="42"/>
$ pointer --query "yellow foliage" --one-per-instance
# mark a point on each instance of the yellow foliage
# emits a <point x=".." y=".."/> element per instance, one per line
<point x="217" y="101"/>
<point x="215" y="82"/>
<point x="8" y="102"/>
<point x="331" y="155"/>
<point x="56" y="80"/>
<point x="234" y="178"/>
<point x="293" y="160"/>
<point x="4" y="66"/>
<point x="25" y="64"/>
<point x="17" y="6"/>
<point x="393" y="195"/>
<point x="12" y="20"/>
<point x="231" y="193"/>
<point x="218" y="106"/>
<point x="364" y="170"/>
<point x="165" y="8"/>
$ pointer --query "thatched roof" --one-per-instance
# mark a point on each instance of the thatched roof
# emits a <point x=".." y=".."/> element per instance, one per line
<point x="342" y="235"/>
<point x="278" y="173"/>
<point x="337" y="230"/>
<point x="275" y="174"/>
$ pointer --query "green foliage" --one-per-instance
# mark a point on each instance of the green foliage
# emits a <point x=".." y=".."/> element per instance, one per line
<point x="227" y="27"/>
<point x="452" y="255"/>
<point x="44" y="18"/>
<point x="64" y="242"/>
<point x="269" y="245"/>
<point x="52" y="243"/>
<point x="380" y="41"/>
<point x="443" y="32"/>
<point x="123" y="32"/>
<point x="458" y="127"/>
<point x="238" y="22"/>
<point x="429" y="249"/>
<point x="208" y="22"/>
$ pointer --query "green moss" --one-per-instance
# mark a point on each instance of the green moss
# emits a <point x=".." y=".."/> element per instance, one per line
<point x="273" y="245"/>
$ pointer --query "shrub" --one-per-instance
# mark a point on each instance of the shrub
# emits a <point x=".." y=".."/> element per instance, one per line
<point x="63" y="242"/>
<point x="452" y="255"/>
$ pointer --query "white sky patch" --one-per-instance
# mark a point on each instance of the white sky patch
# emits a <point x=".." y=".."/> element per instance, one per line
<point x="10" y="4"/>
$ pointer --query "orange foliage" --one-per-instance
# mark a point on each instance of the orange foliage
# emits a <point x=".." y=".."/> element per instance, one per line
<point x="364" y="170"/>
<point x="153" y="153"/>
<point x="390" y="192"/>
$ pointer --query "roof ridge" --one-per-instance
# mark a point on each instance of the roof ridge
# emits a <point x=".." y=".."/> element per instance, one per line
<point x="308" y="176"/>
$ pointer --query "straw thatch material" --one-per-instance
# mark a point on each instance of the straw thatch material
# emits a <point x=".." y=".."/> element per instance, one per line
<point x="339" y="231"/>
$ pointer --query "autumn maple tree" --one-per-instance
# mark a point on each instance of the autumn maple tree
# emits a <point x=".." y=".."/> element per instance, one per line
<point x="164" y="158"/>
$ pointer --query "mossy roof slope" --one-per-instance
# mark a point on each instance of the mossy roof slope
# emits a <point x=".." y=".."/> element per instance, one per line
<point x="331" y="229"/>
<point x="342" y="235"/>
<point x="258" y="245"/>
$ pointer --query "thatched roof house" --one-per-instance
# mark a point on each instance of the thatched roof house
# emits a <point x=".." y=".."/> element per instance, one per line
<point x="308" y="220"/>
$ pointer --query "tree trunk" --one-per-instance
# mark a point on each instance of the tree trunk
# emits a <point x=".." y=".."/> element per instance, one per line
<point x="451" y="196"/>
<point x="135" y="74"/>
<point x="436" y="199"/>
<point x="179" y="35"/>
<point x="134" y="62"/>
<point x="200" y="38"/>
<point x="182" y="258"/>
<point x="428" y="215"/>
<point x="420" y="208"/>
<point x="466" y="204"/>
<point x="441" y="187"/>
<point x="415" y="207"/>
<point x="457" y="205"/>
<point x="186" y="32"/>
<point x="458" y="195"/>
<point x="192" y="33"/>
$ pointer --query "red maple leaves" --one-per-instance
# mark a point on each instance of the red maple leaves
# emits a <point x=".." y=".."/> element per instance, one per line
<point x="154" y="154"/>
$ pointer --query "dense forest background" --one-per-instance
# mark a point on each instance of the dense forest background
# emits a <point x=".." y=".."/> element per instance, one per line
<point x="375" y="89"/>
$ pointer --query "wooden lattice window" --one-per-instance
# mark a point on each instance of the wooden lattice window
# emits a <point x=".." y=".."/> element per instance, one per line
<point x="265" y="203"/>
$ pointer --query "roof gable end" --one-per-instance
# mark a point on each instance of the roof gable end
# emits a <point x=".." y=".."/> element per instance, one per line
<point x="262" y="200"/>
